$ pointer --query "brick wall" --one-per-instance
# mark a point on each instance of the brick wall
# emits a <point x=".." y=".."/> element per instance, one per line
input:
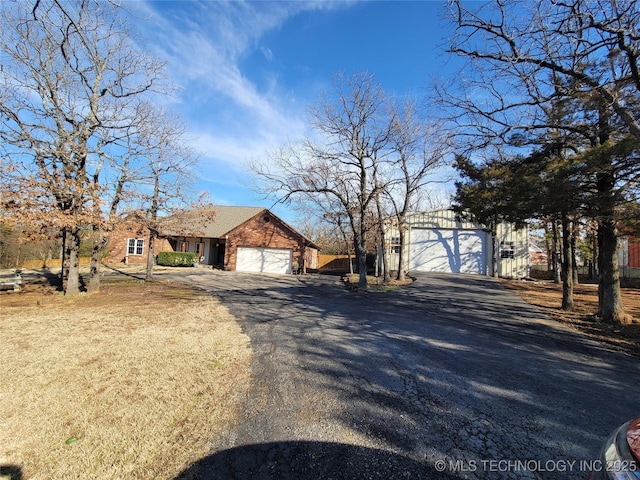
<point x="634" y="252"/>
<point x="117" y="248"/>
<point x="263" y="231"/>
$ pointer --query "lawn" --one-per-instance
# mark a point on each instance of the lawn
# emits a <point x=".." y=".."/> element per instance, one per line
<point x="547" y="296"/>
<point x="133" y="382"/>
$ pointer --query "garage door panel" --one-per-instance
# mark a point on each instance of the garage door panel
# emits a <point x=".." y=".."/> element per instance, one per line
<point x="264" y="260"/>
<point x="452" y="251"/>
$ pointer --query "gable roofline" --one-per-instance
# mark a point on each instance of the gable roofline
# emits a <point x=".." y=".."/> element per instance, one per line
<point x="464" y="217"/>
<point x="292" y="230"/>
<point x="210" y="222"/>
<point x="306" y="240"/>
<point x="219" y="221"/>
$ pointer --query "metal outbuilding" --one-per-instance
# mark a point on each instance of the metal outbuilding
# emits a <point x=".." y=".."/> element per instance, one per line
<point x="441" y="241"/>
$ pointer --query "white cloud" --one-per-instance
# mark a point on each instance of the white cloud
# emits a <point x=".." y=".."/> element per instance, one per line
<point x="233" y="118"/>
<point x="204" y="44"/>
<point x="268" y="54"/>
<point x="223" y="149"/>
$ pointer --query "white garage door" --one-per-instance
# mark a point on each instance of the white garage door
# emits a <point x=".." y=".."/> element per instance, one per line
<point x="452" y="251"/>
<point x="264" y="260"/>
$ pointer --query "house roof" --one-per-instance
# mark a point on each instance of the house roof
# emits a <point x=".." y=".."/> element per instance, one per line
<point x="213" y="222"/>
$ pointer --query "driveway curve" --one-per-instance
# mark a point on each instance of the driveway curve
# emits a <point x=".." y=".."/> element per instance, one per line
<point x="451" y="377"/>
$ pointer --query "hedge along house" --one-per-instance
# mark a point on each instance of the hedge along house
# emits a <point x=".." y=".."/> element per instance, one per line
<point x="248" y="239"/>
<point x="440" y="241"/>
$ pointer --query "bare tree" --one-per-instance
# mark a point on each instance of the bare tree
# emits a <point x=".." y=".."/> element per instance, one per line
<point x="342" y="165"/>
<point x="418" y="150"/>
<point x="327" y="225"/>
<point x="149" y="170"/>
<point x="99" y="189"/>
<point x="593" y="45"/>
<point x="167" y="173"/>
<point x="71" y="78"/>
<point x="528" y="56"/>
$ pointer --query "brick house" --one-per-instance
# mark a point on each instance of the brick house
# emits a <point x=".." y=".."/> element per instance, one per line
<point x="250" y="239"/>
<point x="129" y="241"/>
<point x="633" y="249"/>
<point x="629" y="252"/>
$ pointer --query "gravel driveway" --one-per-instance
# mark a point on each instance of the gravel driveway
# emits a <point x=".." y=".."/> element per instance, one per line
<point x="451" y="377"/>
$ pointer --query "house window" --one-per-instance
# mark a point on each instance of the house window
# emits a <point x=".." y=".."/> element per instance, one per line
<point x="183" y="247"/>
<point x="394" y="244"/>
<point x="507" y="249"/>
<point x="135" y="246"/>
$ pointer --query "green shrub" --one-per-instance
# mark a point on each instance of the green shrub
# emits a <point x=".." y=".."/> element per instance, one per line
<point x="177" y="259"/>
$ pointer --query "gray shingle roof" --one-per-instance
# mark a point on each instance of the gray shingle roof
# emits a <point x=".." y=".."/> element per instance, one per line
<point x="213" y="222"/>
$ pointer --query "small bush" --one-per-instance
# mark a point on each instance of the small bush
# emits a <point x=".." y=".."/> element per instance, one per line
<point x="177" y="259"/>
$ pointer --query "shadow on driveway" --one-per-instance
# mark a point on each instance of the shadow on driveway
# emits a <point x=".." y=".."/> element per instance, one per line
<point x="452" y="367"/>
<point x="303" y="460"/>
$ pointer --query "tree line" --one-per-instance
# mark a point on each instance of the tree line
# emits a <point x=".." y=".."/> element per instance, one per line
<point x="82" y="128"/>
<point x="556" y="135"/>
<point x="364" y="168"/>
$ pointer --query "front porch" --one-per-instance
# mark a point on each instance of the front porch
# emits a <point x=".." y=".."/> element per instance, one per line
<point x="211" y="251"/>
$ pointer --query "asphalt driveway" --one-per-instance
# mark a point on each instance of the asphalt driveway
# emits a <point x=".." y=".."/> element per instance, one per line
<point x="451" y="377"/>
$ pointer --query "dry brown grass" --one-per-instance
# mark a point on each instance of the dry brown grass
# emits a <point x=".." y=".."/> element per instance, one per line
<point x="374" y="284"/>
<point x="130" y="383"/>
<point x="547" y="296"/>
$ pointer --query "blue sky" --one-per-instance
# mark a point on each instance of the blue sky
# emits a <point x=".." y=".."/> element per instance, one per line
<point x="248" y="71"/>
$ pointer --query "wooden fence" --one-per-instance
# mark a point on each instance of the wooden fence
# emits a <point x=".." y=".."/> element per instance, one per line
<point x="50" y="263"/>
<point x="334" y="262"/>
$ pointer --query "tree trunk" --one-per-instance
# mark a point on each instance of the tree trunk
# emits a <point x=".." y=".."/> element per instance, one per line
<point x="376" y="263"/>
<point x="361" y="258"/>
<point x="403" y="235"/>
<point x="383" y="263"/>
<point x="494" y="251"/>
<point x="567" y="265"/>
<point x="94" y="269"/>
<point x="611" y="308"/>
<point x="574" y="259"/>
<point x="610" y="305"/>
<point x="71" y="261"/>
<point x="64" y="263"/>
<point x="386" y="277"/>
<point x="595" y="261"/>
<point x="547" y="245"/>
<point x="362" y="268"/>
<point x="555" y="259"/>
<point x="99" y="244"/>
<point x="150" y="257"/>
